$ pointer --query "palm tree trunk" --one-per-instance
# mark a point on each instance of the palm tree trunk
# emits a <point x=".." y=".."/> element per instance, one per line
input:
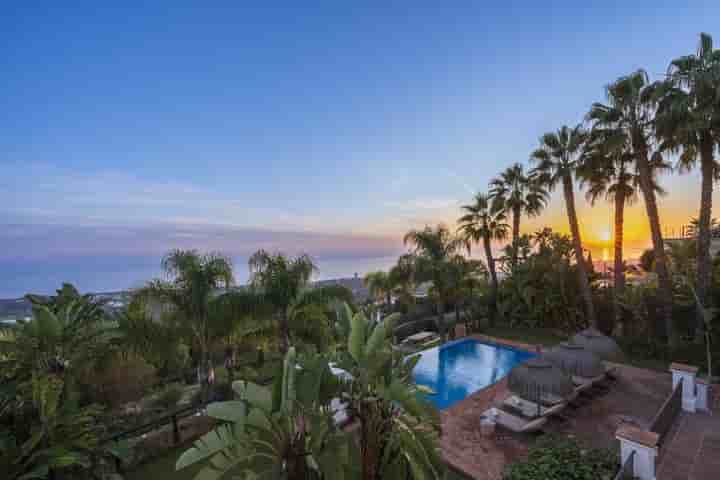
<point x="618" y="273"/>
<point x="516" y="236"/>
<point x="661" y="269"/>
<point x="493" y="280"/>
<point x="577" y="245"/>
<point x="704" y="262"/>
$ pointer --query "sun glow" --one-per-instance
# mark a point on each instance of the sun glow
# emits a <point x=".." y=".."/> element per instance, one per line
<point x="605" y="235"/>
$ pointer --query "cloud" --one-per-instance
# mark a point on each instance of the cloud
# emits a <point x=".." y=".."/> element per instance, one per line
<point x="45" y="194"/>
<point x="38" y="242"/>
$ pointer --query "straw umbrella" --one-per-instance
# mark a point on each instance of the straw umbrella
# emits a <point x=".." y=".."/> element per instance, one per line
<point x="601" y="345"/>
<point x="576" y="360"/>
<point x="537" y="378"/>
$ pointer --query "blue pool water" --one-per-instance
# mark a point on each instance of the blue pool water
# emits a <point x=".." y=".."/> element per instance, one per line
<point x="458" y="369"/>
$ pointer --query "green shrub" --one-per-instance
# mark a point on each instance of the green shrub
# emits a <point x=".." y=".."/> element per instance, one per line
<point x="563" y="459"/>
<point x="169" y="398"/>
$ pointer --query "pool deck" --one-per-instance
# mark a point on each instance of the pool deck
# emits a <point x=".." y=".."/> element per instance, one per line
<point x="634" y="398"/>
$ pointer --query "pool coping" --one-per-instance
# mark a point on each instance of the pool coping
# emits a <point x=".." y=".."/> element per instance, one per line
<point x="487" y="340"/>
<point x="499" y="388"/>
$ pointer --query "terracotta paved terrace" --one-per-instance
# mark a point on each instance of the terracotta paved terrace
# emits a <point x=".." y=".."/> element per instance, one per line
<point x="690" y="451"/>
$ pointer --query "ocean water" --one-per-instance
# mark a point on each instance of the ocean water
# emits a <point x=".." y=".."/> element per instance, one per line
<point x="102" y="274"/>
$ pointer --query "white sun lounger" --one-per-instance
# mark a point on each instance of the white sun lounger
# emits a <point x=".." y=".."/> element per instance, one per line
<point x="583" y="383"/>
<point x="515" y="423"/>
<point x="531" y="409"/>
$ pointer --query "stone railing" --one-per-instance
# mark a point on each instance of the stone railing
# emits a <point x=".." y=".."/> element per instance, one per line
<point x="665" y="417"/>
<point x="627" y="468"/>
<point x="639" y="447"/>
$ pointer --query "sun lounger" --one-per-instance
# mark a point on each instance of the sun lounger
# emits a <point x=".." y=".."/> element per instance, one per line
<point x="515" y="423"/>
<point x="531" y="409"/>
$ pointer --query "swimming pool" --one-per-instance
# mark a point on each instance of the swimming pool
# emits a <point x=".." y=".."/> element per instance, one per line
<point x="458" y="369"/>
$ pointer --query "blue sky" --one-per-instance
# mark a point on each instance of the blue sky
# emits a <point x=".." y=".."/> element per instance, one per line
<point x="330" y="128"/>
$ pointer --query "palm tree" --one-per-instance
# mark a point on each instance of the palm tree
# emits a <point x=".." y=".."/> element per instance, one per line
<point x="402" y="279"/>
<point x="433" y="250"/>
<point x="379" y="286"/>
<point x="608" y="172"/>
<point x="688" y="120"/>
<point x="193" y="280"/>
<point x="629" y="116"/>
<point x="694" y="227"/>
<point x="282" y="284"/>
<point x="398" y="430"/>
<point x="484" y="221"/>
<point x="520" y="194"/>
<point x="558" y="160"/>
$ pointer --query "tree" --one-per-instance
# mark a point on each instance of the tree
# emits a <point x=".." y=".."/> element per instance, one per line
<point x="193" y="281"/>
<point x="402" y="280"/>
<point x="688" y="120"/>
<point x="282" y="284"/>
<point x="284" y="432"/>
<point x="40" y="361"/>
<point x="484" y="220"/>
<point x="433" y="250"/>
<point x="520" y="194"/>
<point x="647" y="260"/>
<point x="398" y="430"/>
<point x="380" y="286"/>
<point x="467" y="278"/>
<point x="629" y="116"/>
<point x="558" y="160"/>
<point x="693" y="227"/>
<point x="608" y="172"/>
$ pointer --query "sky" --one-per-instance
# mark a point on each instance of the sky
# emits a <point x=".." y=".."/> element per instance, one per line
<point x="329" y="127"/>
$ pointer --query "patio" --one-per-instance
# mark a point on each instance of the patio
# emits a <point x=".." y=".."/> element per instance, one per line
<point x="634" y="398"/>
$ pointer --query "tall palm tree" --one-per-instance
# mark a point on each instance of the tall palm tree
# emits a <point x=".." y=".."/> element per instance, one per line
<point x="484" y="220"/>
<point x="688" y="120"/>
<point x="520" y="194"/>
<point x="607" y="170"/>
<point x="433" y="250"/>
<point x="192" y="280"/>
<point x="558" y="160"/>
<point x="281" y="284"/>
<point x="379" y="286"/>
<point x="629" y="116"/>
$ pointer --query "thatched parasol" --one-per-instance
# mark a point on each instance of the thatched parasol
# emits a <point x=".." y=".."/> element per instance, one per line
<point x="575" y="359"/>
<point x="601" y="345"/>
<point x="538" y="378"/>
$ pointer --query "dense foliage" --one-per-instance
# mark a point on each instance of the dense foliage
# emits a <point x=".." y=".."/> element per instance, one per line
<point x="563" y="459"/>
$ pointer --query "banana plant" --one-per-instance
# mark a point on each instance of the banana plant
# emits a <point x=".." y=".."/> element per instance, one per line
<point x="286" y="432"/>
<point x="61" y="437"/>
<point x="398" y="429"/>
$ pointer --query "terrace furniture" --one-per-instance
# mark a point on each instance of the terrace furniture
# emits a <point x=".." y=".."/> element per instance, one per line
<point x="598" y="343"/>
<point x="539" y="381"/>
<point x="420" y="337"/>
<point x="532" y="409"/>
<point x="515" y="423"/>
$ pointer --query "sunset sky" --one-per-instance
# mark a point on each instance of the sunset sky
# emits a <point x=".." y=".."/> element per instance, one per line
<point x="330" y="128"/>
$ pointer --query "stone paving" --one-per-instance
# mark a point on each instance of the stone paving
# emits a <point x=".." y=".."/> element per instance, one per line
<point x="633" y="399"/>
<point x="692" y="448"/>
